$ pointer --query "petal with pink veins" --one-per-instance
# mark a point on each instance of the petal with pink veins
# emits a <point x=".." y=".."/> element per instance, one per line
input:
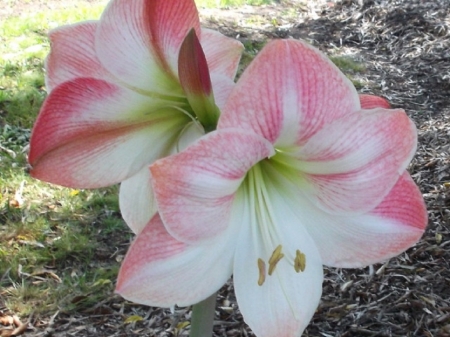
<point x="161" y="271"/>
<point x="195" y="188"/>
<point x="372" y="102"/>
<point x="359" y="240"/>
<point x="222" y="53"/>
<point x="310" y="93"/>
<point x="72" y="54"/>
<point x="91" y="133"/>
<point x="138" y="41"/>
<point x="351" y="164"/>
<point x="222" y="86"/>
<point x="283" y="302"/>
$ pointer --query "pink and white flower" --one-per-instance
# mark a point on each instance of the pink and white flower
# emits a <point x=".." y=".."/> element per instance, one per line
<point x="301" y="172"/>
<point x="117" y="102"/>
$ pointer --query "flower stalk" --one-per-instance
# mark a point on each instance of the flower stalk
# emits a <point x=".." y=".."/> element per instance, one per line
<point x="202" y="320"/>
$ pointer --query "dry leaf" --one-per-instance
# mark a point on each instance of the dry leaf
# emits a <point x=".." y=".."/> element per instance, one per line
<point x="133" y="319"/>
<point x="18" y="200"/>
<point x="6" y="320"/>
<point x="182" y="325"/>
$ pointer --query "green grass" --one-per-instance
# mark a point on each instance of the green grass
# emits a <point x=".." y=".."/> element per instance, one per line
<point x="23" y="47"/>
<point x="348" y="64"/>
<point x="351" y="68"/>
<point x="50" y="237"/>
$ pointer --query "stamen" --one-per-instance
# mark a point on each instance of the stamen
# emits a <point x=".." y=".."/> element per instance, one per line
<point x="275" y="258"/>
<point x="300" y="261"/>
<point x="262" y="272"/>
<point x="275" y="254"/>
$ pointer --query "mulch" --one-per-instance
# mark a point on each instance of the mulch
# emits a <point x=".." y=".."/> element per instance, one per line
<point x="405" y="47"/>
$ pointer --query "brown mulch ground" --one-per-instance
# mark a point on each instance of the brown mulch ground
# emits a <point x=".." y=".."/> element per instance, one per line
<point x="405" y="46"/>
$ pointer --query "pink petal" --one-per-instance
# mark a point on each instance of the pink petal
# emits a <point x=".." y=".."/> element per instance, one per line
<point x="92" y="133"/>
<point x="371" y="102"/>
<point x="285" y="301"/>
<point x="352" y="164"/>
<point x="352" y="241"/>
<point x="136" y="199"/>
<point x="161" y="271"/>
<point x="139" y="41"/>
<point x="73" y="55"/>
<point x="222" y="53"/>
<point x="310" y="92"/>
<point x="222" y="87"/>
<point x="404" y="204"/>
<point x="195" y="188"/>
<point x="391" y="228"/>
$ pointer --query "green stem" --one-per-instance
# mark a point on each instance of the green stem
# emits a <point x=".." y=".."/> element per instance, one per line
<point x="202" y="320"/>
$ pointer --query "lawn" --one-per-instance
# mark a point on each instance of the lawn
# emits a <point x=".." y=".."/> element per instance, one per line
<point x="54" y="241"/>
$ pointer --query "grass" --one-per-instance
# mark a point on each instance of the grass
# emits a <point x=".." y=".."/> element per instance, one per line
<point x="351" y="68"/>
<point x="50" y="237"/>
<point x="23" y="47"/>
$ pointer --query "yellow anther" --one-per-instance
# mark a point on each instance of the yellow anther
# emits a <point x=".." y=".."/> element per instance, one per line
<point x="262" y="272"/>
<point x="300" y="261"/>
<point x="277" y="255"/>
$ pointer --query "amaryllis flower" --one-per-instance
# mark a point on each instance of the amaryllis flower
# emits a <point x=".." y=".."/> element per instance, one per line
<point x="297" y="175"/>
<point x="125" y="91"/>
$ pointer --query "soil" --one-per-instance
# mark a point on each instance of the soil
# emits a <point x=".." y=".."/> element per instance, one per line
<point x="405" y="47"/>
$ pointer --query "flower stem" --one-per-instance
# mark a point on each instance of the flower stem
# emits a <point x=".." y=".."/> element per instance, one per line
<point x="202" y="320"/>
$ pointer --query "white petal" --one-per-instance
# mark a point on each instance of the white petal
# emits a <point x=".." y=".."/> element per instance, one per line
<point x="138" y="41"/>
<point x="136" y="200"/>
<point x="286" y="300"/>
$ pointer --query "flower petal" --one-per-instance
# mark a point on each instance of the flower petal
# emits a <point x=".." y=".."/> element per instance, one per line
<point x="138" y="41"/>
<point x="73" y="55"/>
<point x="222" y="53"/>
<point x="394" y="226"/>
<point x="161" y="271"/>
<point x="371" y="102"/>
<point x="195" y="188"/>
<point x="136" y="200"/>
<point x="222" y="87"/>
<point x="352" y="164"/>
<point x="310" y="92"/>
<point x="91" y="133"/>
<point x="360" y="240"/>
<point x="280" y="304"/>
